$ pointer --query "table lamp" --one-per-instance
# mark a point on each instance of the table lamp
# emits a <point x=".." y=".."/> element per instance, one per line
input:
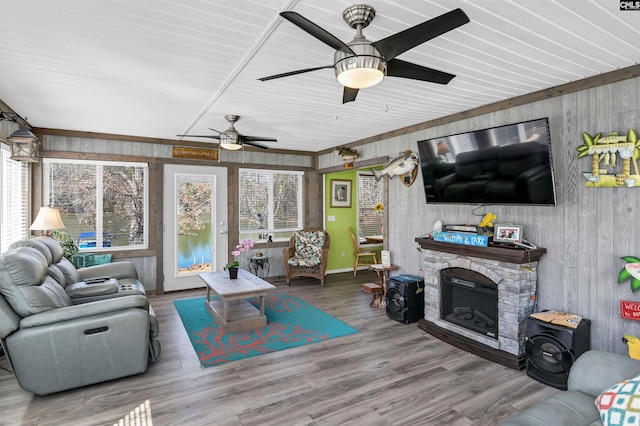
<point x="48" y="219"/>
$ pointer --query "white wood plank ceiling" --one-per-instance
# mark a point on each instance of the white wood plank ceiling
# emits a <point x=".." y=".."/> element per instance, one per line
<point x="158" y="68"/>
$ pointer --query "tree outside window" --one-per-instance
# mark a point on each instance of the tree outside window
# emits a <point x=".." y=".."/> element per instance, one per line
<point x="270" y="204"/>
<point x="102" y="204"/>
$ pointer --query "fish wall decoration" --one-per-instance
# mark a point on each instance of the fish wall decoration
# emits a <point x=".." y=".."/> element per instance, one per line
<point x="348" y="155"/>
<point x="404" y="165"/>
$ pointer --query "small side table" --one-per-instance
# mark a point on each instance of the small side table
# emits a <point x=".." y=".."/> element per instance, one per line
<point x="383" y="271"/>
<point x="260" y="263"/>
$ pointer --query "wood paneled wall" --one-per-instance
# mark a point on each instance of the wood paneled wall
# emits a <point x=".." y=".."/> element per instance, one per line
<point x="585" y="235"/>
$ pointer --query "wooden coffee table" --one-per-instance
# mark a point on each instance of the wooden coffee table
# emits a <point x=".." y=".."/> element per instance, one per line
<point x="232" y="310"/>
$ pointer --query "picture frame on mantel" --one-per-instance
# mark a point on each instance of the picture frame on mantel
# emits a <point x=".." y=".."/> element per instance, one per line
<point x="507" y="234"/>
<point x="340" y="193"/>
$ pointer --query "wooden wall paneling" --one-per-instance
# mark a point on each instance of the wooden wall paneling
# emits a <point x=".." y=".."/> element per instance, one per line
<point x="233" y="203"/>
<point x="312" y="199"/>
<point x="625" y="107"/>
<point x="156" y="224"/>
<point x="568" y="185"/>
<point x="579" y="298"/>
<point x="628" y="99"/>
<point x="36" y="200"/>
<point x="602" y="288"/>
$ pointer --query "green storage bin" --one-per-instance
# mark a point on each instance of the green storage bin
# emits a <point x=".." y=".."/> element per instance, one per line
<point x="82" y="260"/>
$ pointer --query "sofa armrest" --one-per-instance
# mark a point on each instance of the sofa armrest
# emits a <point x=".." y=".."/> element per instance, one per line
<point x="85" y="310"/>
<point x="116" y="270"/>
<point x="82" y="289"/>
<point x="595" y="371"/>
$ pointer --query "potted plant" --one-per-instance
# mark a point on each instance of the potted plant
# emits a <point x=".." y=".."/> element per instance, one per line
<point x="232" y="267"/>
<point x="69" y="246"/>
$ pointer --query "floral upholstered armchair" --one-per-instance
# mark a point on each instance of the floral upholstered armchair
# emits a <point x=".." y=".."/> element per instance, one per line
<point x="307" y="254"/>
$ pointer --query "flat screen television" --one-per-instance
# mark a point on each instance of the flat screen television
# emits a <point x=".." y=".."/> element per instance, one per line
<point x="505" y="165"/>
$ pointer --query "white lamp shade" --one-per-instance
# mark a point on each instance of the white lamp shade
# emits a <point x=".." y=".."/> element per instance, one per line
<point x="48" y="219"/>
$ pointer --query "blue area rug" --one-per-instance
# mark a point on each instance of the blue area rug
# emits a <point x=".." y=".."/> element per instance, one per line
<point x="291" y="322"/>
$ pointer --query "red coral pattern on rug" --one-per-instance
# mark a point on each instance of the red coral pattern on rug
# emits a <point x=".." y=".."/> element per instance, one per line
<point x="291" y="322"/>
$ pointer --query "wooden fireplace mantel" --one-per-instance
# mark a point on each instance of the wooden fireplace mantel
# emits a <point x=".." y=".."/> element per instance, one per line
<point x="503" y="254"/>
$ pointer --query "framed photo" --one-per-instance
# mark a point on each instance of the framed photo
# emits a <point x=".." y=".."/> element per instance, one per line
<point x="340" y="193"/>
<point x="509" y="234"/>
<point x="386" y="258"/>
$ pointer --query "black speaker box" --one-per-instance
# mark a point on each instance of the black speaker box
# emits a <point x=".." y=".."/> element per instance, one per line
<point x="551" y="350"/>
<point x="405" y="298"/>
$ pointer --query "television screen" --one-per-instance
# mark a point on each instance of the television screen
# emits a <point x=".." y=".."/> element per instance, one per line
<point x="505" y="165"/>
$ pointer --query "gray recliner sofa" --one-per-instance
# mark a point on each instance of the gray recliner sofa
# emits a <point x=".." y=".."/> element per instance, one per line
<point x="89" y="284"/>
<point x="592" y="373"/>
<point x="56" y="342"/>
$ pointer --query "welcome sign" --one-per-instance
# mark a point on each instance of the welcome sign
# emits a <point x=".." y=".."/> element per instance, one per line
<point x="630" y="310"/>
<point x="462" y="238"/>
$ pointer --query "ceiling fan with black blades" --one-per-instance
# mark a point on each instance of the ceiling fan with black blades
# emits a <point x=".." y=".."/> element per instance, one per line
<point x="231" y="139"/>
<point x="362" y="63"/>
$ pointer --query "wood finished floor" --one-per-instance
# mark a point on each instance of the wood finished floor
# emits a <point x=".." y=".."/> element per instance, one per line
<point x="387" y="374"/>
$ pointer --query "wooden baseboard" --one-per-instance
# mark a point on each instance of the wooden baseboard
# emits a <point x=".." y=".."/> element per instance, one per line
<point x="508" y="360"/>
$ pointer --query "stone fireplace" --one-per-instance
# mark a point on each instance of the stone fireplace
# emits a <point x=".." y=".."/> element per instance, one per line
<point x="512" y="271"/>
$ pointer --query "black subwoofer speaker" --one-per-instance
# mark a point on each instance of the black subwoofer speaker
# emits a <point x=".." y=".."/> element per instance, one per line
<point x="405" y="298"/>
<point x="551" y="350"/>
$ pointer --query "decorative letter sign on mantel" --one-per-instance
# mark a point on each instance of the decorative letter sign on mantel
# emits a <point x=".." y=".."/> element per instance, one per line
<point x="466" y="239"/>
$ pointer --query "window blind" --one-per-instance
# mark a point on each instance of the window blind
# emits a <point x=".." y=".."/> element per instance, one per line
<point x="15" y="200"/>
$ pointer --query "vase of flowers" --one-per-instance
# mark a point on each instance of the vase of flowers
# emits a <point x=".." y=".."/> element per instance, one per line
<point x="232" y="267"/>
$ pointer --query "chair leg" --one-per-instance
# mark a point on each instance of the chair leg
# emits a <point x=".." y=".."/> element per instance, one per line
<point x="355" y="267"/>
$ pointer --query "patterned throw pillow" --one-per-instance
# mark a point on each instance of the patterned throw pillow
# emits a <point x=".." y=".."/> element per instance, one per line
<point x="620" y="404"/>
<point x="308" y="248"/>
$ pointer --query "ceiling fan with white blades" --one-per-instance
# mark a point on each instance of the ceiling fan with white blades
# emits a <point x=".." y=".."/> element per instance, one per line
<point x="362" y="63"/>
<point x="231" y="139"/>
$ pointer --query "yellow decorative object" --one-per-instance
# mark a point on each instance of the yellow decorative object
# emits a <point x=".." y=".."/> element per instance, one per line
<point x="378" y="207"/>
<point x="488" y="220"/>
<point x="633" y="343"/>
<point x="605" y="151"/>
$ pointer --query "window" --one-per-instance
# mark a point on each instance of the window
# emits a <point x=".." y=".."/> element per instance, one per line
<point x="14" y="188"/>
<point x="270" y="204"/>
<point x="103" y="204"/>
<point x="370" y="194"/>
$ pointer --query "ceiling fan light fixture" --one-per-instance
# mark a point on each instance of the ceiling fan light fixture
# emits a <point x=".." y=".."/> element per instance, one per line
<point x="230" y="141"/>
<point x="231" y="146"/>
<point x="364" y="70"/>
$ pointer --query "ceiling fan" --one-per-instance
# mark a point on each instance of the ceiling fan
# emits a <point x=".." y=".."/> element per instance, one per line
<point x="232" y="140"/>
<point x="362" y="63"/>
